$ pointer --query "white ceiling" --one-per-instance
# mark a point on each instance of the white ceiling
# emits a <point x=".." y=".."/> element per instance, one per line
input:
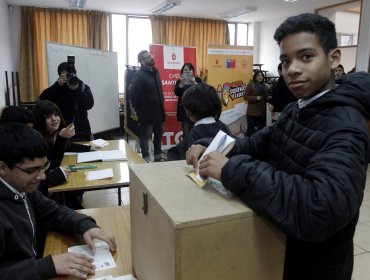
<point x="266" y="9"/>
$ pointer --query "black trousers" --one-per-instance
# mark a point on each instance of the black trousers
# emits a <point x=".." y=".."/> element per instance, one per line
<point x="254" y="124"/>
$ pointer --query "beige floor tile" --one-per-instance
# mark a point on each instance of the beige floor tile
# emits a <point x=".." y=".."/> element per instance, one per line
<point x="367" y="223"/>
<point x="362" y="237"/>
<point x="365" y="203"/>
<point x="106" y="198"/>
<point x="361" y="270"/>
<point x="364" y="213"/>
<point x="100" y="198"/>
<point x="367" y="194"/>
<point x="358" y="250"/>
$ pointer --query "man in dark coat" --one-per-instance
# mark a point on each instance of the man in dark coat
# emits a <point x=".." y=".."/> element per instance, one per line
<point x="146" y="96"/>
<point x="306" y="173"/>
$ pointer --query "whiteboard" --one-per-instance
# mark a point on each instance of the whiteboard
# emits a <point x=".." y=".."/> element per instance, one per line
<point x="99" y="70"/>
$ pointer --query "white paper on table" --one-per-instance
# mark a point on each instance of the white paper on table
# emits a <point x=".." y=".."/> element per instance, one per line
<point x="110" y="155"/>
<point x="99" y="142"/>
<point x="125" y="277"/>
<point x="70" y="153"/>
<point x="109" y="277"/>
<point x="102" y="258"/>
<point x="99" y="174"/>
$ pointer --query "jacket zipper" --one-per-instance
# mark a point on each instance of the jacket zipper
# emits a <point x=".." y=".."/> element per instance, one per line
<point x="33" y="228"/>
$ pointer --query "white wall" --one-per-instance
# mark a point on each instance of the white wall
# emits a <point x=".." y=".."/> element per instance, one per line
<point x="15" y="35"/>
<point x="5" y="49"/>
<point x="347" y="23"/>
<point x="268" y="49"/>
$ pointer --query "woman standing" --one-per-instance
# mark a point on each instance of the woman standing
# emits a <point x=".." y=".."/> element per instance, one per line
<point x="256" y="97"/>
<point x="187" y="79"/>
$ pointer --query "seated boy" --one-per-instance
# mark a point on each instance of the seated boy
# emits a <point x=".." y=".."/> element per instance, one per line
<point x="306" y="173"/>
<point x="22" y="209"/>
<point x="203" y="106"/>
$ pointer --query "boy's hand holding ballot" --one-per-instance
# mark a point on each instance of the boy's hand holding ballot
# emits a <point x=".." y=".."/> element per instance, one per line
<point x="212" y="160"/>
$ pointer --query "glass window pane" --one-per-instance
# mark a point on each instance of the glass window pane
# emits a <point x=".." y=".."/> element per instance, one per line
<point x="232" y="33"/>
<point x="250" y="34"/>
<point x="119" y="46"/>
<point x="242" y="33"/>
<point x="139" y="37"/>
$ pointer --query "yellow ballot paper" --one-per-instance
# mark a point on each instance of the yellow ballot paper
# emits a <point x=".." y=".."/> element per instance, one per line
<point x="222" y="143"/>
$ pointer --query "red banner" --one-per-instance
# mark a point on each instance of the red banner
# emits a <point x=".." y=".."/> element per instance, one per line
<point x="169" y="61"/>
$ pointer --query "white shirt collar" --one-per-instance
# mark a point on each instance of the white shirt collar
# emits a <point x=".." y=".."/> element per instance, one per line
<point x="21" y="194"/>
<point x="207" y="120"/>
<point x="304" y="102"/>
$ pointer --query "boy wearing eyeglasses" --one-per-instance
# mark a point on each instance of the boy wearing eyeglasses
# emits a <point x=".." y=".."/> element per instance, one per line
<point x="23" y="209"/>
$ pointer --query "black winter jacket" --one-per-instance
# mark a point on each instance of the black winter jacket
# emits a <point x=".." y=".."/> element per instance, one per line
<point x="146" y="95"/>
<point x="306" y="174"/>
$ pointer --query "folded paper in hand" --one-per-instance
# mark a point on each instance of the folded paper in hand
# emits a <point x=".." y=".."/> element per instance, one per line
<point x="222" y="143"/>
<point x="102" y="258"/>
<point x="111" y="155"/>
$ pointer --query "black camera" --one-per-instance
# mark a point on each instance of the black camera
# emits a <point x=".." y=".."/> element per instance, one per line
<point x="72" y="78"/>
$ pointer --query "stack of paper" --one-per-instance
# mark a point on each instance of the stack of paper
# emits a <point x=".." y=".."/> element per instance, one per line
<point x="100" y="142"/>
<point x="100" y="174"/>
<point x="123" y="277"/>
<point x="111" y="155"/>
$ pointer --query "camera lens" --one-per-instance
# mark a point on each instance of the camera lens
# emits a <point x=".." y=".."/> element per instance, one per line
<point x="72" y="79"/>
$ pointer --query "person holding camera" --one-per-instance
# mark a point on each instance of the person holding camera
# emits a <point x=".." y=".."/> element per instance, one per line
<point x="73" y="97"/>
<point x="187" y="79"/>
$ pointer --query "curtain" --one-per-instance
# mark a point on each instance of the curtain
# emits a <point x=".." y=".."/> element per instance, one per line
<point x="38" y="26"/>
<point x="193" y="32"/>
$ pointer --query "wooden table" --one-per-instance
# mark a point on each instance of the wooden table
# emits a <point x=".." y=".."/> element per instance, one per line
<point x="77" y="180"/>
<point x="114" y="220"/>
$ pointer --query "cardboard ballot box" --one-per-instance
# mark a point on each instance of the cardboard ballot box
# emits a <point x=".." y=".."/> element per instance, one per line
<point x="182" y="232"/>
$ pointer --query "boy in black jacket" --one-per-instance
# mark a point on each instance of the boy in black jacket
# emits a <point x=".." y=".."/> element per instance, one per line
<point x="22" y="209"/>
<point x="306" y="173"/>
<point x="203" y="106"/>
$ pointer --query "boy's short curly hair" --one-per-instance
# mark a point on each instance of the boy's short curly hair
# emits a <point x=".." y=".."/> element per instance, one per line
<point x="322" y="27"/>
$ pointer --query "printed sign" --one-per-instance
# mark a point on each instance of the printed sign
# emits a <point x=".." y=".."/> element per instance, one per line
<point x="229" y="70"/>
